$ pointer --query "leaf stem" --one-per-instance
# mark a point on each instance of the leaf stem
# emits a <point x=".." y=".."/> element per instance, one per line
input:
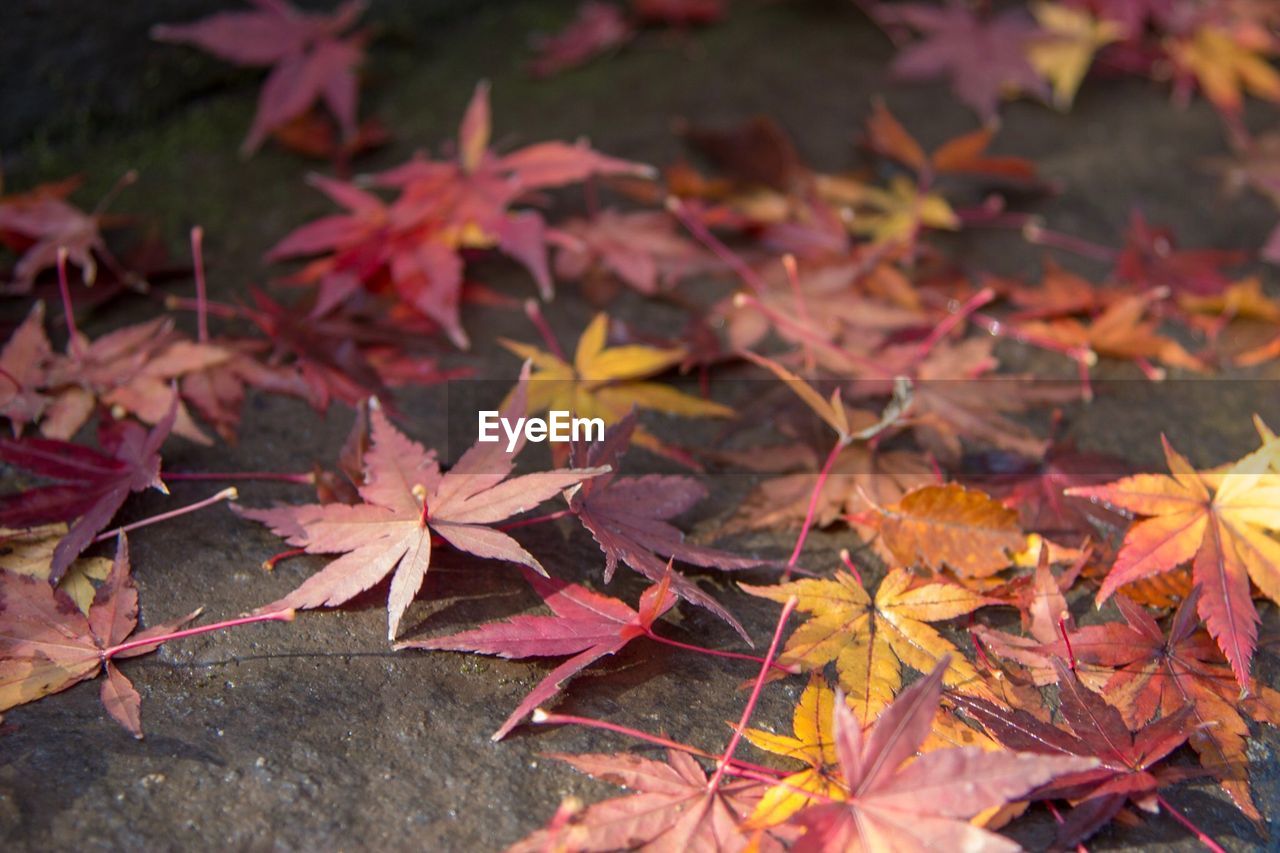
<point x="847" y="559"/>
<point x="1191" y="827"/>
<point x="940" y="331"/>
<point x="727" y="256"/>
<point x="802" y="306"/>
<point x="789" y="670"/>
<point x="534" y="312"/>
<point x="224" y="495"/>
<point x="68" y="310"/>
<point x="755" y="694"/>
<point x="1057" y="816"/>
<point x="1066" y="639"/>
<point x="547" y="718"/>
<point x="1035" y="233"/>
<point x="218" y="309"/>
<point x="307" y="479"/>
<point x="202" y="297"/>
<point x="537" y="519"/>
<point x="269" y="564"/>
<point x="277" y="616"/>
<point x="814" y="496"/>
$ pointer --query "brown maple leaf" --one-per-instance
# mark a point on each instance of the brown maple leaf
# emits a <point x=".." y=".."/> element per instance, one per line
<point x="48" y="645"/>
<point x="949" y="526"/>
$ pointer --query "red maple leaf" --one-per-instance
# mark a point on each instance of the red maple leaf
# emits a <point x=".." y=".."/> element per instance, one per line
<point x="586" y="625"/>
<point x="1097" y="731"/>
<point x="630" y="520"/>
<point x="338" y="355"/>
<point x="985" y="59"/>
<point x="1035" y="487"/>
<point x="596" y="29"/>
<point x="89" y="485"/>
<point x="131" y="370"/>
<point x="310" y="58"/>
<point x="24" y="362"/>
<point x="38" y="223"/>
<point x="1151" y="259"/>
<point x="412" y="247"/>
<point x="1150" y="674"/>
<point x="672" y="807"/>
<point x="407" y="499"/>
<point x="643" y="249"/>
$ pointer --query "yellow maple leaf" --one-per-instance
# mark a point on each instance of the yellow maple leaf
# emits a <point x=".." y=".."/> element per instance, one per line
<point x="870" y="641"/>
<point x="1066" y="50"/>
<point x="1226" y="66"/>
<point x="608" y="382"/>
<point x="30" y="552"/>
<point x="890" y="215"/>
<point x="813" y="743"/>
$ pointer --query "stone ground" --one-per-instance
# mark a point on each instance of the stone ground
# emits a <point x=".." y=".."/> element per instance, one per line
<point x="315" y="734"/>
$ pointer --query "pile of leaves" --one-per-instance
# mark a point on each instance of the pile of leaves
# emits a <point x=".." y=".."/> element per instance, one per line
<point x="964" y="691"/>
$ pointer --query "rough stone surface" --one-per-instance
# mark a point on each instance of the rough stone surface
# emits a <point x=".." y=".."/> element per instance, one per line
<point x="316" y="735"/>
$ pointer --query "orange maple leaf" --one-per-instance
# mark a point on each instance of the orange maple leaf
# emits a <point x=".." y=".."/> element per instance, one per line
<point x="1216" y="521"/>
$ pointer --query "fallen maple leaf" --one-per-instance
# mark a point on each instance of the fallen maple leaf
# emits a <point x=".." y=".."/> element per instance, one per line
<point x="926" y="804"/>
<point x="1064" y="50"/>
<point x="608" y="382"/>
<point x="1036" y="488"/>
<point x="597" y="28"/>
<point x="89" y="485"/>
<point x="964" y="154"/>
<point x="672" y="807"/>
<point x="813" y="743"/>
<point x="24" y="363"/>
<point x="586" y="625"/>
<point x="40" y="222"/>
<point x="1151" y="259"/>
<point x="858" y="475"/>
<point x="985" y="59"/>
<point x="1124" y="773"/>
<point x="870" y="641"/>
<point x="413" y="245"/>
<point x="629" y="517"/>
<point x="47" y="644"/>
<point x="962" y="529"/>
<point x="132" y="370"/>
<point x="1222" y="534"/>
<point x="30" y="552"/>
<point x="335" y="355"/>
<point x="310" y="57"/>
<point x="407" y="500"/>
<point x="1149" y="674"/>
<point x="1225" y="63"/>
<point x="1121" y="331"/>
<point x="642" y="249"/>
